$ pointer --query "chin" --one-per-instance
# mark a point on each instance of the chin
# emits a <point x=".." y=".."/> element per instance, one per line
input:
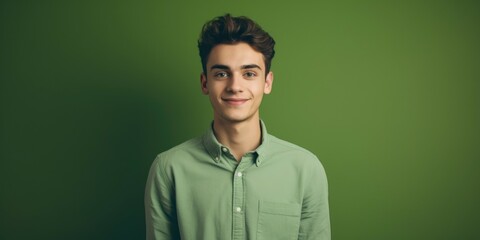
<point x="236" y="118"/>
<point x="235" y="115"/>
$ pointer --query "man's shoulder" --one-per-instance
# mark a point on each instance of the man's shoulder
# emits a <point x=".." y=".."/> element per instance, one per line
<point x="296" y="156"/>
<point x="184" y="150"/>
<point x="188" y="145"/>
<point x="280" y="146"/>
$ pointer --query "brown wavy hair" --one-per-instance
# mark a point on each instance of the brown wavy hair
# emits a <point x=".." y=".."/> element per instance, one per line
<point x="230" y="30"/>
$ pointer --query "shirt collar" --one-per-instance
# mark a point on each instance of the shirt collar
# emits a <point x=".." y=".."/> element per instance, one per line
<point x="214" y="148"/>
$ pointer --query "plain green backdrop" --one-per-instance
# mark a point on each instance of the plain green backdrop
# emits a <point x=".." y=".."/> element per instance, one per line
<point x="385" y="93"/>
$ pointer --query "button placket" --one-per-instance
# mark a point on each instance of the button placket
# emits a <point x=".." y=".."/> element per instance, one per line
<point x="238" y="198"/>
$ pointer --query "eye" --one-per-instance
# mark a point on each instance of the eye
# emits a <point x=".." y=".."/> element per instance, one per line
<point x="221" y="75"/>
<point x="250" y="74"/>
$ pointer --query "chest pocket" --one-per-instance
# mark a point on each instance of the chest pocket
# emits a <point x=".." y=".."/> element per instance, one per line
<point x="278" y="221"/>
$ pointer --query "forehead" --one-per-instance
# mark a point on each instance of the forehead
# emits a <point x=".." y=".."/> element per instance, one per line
<point x="235" y="56"/>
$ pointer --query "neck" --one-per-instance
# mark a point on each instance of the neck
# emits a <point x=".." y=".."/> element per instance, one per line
<point x="239" y="137"/>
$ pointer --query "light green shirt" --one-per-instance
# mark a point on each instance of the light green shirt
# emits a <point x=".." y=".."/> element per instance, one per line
<point x="197" y="190"/>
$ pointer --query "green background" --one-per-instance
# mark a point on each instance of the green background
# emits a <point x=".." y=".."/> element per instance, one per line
<point x="386" y="93"/>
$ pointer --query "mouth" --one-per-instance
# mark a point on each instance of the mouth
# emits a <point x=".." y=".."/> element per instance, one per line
<point x="235" y="101"/>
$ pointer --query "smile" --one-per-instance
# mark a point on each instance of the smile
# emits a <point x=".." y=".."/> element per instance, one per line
<point x="235" y="101"/>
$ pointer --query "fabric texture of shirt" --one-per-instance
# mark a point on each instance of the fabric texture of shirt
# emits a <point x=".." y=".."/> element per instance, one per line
<point x="197" y="190"/>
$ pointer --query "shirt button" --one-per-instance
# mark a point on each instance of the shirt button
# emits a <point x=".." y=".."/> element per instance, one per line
<point x="238" y="209"/>
<point x="239" y="174"/>
<point x="224" y="149"/>
<point x="216" y="158"/>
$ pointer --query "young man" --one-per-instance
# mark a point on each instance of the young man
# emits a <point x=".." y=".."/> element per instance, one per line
<point x="236" y="181"/>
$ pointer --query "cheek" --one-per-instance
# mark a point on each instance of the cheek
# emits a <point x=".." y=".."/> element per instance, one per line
<point x="215" y="92"/>
<point x="258" y="89"/>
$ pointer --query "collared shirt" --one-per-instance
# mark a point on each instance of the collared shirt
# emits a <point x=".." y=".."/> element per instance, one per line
<point x="197" y="190"/>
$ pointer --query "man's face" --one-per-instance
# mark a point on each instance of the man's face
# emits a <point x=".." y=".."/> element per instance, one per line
<point x="235" y="81"/>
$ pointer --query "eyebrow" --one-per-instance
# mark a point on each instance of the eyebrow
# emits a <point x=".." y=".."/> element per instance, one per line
<point x="248" y="66"/>
<point x="225" y="67"/>
<point x="219" y="66"/>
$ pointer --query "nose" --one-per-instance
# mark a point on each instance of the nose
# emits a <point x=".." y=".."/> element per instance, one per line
<point x="234" y="83"/>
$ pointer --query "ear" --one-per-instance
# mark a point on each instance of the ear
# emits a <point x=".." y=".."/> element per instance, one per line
<point x="203" y="82"/>
<point x="268" y="83"/>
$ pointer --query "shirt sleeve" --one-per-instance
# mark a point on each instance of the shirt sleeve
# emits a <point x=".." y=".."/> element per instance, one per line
<point x="315" y="218"/>
<point x="160" y="214"/>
